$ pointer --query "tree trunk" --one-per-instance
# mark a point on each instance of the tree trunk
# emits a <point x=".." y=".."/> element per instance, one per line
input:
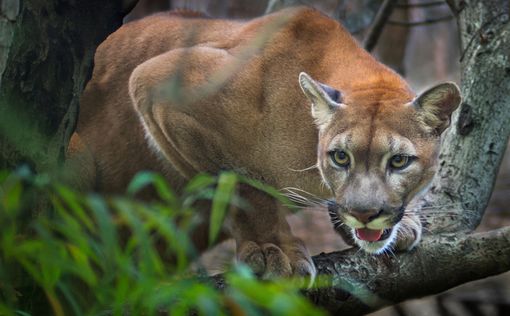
<point x="46" y="54"/>
<point x="46" y="58"/>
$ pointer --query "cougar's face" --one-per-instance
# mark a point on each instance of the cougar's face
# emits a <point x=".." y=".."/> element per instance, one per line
<point x="374" y="167"/>
<point x="376" y="154"/>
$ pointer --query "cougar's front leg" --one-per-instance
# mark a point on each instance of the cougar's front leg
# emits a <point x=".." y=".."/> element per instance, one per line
<point x="264" y="239"/>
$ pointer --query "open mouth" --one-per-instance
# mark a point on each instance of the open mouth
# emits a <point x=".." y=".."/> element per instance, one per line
<point x="373" y="235"/>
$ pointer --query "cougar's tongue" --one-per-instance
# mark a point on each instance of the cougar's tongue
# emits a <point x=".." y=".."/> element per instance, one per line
<point x="369" y="234"/>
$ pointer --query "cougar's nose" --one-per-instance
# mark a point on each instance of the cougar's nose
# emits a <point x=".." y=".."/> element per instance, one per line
<point x="365" y="216"/>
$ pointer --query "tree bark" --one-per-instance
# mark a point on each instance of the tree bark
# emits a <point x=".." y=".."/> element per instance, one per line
<point x="46" y="58"/>
<point x="46" y="53"/>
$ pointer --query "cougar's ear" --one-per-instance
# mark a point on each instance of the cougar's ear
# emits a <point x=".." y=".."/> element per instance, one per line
<point x="325" y="99"/>
<point x="436" y="105"/>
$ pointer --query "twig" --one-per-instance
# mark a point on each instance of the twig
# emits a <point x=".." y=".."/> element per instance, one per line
<point x="419" y="5"/>
<point x="453" y="7"/>
<point x="419" y="23"/>
<point x="378" y="25"/>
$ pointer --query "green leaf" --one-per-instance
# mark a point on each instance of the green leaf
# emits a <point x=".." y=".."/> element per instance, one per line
<point x="69" y="295"/>
<point x="74" y="203"/>
<point x="82" y="264"/>
<point x="11" y="199"/>
<point x="224" y="191"/>
<point x="199" y="183"/>
<point x="145" y="178"/>
<point x="79" y="251"/>
<point x="268" y="190"/>
<point x="4" y="174"/>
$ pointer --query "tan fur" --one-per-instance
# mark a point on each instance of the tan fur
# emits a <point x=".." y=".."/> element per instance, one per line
<point x="181" y="96"/>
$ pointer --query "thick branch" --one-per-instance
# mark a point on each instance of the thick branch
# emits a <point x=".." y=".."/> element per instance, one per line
<point x="438" y="264"/>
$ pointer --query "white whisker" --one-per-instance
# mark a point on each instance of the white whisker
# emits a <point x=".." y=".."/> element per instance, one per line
<point x="297" y="189"/>
<point x="314" y="166"/>
<point x="303" y="197"/>
<point x="338" y="226"/>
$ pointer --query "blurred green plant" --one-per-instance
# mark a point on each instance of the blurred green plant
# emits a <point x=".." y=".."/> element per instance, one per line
<point x="80" y="258"/>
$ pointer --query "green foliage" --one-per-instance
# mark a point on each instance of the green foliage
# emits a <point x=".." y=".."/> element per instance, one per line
<point x="91" y="255"/>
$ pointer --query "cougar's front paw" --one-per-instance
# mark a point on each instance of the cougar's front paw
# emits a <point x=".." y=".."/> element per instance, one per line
<point x="269" y="260"/>
<point x="409" y="232"/>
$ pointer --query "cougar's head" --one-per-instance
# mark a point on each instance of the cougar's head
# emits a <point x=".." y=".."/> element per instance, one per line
<point x="376" y="152"/>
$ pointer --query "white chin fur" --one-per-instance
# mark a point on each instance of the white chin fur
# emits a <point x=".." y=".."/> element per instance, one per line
<point x="377" y="247"/>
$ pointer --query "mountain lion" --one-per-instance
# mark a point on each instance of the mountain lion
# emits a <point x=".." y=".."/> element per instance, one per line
<point x="288" y="98"/>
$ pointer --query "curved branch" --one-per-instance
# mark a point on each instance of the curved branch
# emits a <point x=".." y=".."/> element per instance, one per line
<point x="361" y="283"/>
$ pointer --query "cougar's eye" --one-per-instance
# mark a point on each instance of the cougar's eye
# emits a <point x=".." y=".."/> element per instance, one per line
<point x="340" y="158"/>
<point x="400" y="162"/>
